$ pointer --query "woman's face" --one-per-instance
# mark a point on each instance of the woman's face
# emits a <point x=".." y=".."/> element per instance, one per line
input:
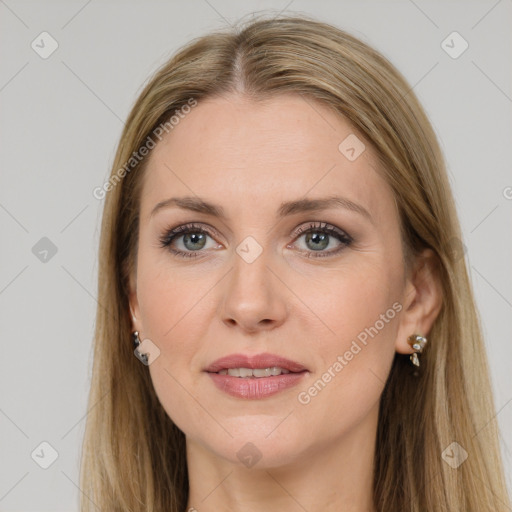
<point x="328" y="298"/>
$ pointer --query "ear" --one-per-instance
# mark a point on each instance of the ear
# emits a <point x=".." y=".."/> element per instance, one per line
<point x="422" y="300"/>
<point x="134" y="303"/>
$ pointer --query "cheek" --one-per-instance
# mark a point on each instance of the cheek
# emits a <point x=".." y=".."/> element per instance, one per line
<point x="168" y="297"/>
<point x="347" y="303"/>
<point x="355" y="340"/>
<point x="174" y="317"/>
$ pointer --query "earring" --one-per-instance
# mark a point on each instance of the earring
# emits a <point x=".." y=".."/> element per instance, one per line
<point x="136" y="343"/>
<point x="417" y="342"/>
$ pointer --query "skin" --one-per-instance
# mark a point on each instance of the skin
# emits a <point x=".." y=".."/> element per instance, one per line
<point x="248" y="158"/>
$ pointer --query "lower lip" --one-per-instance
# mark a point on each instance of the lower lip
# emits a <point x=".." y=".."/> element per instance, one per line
<point x="256" y="387"/>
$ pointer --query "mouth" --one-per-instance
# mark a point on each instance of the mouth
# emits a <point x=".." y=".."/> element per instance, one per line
<point x="254" y="373"/>
<point x="254" y="366"/>
<point x="255" y="377"/>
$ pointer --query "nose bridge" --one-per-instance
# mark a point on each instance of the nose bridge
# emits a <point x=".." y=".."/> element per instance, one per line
<point x="253" y="292"/>
<point x="250" y="276"/>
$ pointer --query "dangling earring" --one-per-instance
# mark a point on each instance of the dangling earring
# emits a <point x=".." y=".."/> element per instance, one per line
<point x="417" y="342"/>
<point x="136" y="343"/>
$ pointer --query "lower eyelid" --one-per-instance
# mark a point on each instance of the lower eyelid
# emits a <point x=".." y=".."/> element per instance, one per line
<point x="310" y="253"/>
<point x="343" y="244"/>
<point x="170" y="238"/>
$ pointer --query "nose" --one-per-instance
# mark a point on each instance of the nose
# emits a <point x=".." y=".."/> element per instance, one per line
<point x="254" y="297"/>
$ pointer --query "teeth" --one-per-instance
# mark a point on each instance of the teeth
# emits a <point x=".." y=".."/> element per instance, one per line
<point x="257" y="372"/>
<point x="243" y="372"/>
<point x="265" y="372"/>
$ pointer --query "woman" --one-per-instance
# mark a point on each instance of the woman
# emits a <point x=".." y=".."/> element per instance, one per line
<point x="280" y="243"/>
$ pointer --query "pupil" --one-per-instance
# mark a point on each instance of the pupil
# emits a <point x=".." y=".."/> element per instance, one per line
<point x="316" y="238"/>
<point x="195" y="238"/>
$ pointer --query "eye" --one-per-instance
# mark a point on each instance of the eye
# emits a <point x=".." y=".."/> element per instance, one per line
<point x="193" y="238"/>
<point x="318" y="237"/>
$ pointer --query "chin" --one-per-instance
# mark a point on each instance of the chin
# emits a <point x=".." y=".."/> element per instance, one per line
<point x="256" y="443"/>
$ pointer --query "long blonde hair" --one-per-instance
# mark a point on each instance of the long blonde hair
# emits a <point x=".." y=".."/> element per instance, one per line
<point x="133" y="456"/>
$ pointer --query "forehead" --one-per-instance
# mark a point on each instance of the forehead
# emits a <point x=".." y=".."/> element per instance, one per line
<point x="246" y="155"/>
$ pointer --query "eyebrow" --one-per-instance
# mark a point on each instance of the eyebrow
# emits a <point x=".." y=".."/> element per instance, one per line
<point x="196" y="204"/>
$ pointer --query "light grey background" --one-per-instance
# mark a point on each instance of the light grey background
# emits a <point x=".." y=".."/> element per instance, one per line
<point x="61" y="120"/>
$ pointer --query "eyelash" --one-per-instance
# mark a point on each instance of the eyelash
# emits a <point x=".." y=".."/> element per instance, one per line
<point x="170" y="235"/>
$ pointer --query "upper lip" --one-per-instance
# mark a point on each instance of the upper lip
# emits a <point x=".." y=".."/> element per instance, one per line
<point x="264" y="360"/>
